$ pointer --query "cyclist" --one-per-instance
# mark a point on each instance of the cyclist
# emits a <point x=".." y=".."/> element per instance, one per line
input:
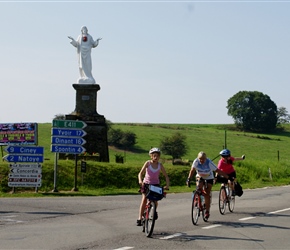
<point x="152" y="169"/>
<point x="226" y="165"/>
<point x="204" y="168"/>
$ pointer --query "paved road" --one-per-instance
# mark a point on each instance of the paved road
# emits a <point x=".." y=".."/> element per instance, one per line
<point x="260" y="221"/>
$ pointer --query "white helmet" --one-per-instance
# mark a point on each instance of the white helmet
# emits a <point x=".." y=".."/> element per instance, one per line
<point x="154" y="150"/>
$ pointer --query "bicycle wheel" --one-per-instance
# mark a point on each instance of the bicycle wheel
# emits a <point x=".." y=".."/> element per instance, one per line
<point x="203" y="213"/>
<point x="195" y="208"/>
<point x="150" y="219"/>
<point x="231" y="203"/>
<point x="222" y="200"/>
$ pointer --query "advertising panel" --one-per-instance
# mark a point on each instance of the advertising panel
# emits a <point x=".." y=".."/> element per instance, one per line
<point x="18" y="133"/>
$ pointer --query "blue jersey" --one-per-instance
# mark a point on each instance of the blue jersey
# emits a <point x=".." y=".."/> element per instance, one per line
<point x="204" y="170"/>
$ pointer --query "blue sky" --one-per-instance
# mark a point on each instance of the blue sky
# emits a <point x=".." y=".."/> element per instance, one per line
<point x="158" y="61"/>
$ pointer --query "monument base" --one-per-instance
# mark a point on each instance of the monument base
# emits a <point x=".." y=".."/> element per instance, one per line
<point x="86" y="104"/>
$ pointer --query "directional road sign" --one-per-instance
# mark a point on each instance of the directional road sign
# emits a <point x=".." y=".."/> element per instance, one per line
<point x="24" y="150"/>
<point x="68" y="132"/>
<point x="24" y="184"/>
<point x="38" y="176"/>
<point x="67" y="149"/>
<point x="23" y="180"/>
<point x="68" y="124"/>
<point x="25" y="170"/>
<point x="25" y="165"/>
<point x="68" y="140"/>
<point x="23" y="158"/>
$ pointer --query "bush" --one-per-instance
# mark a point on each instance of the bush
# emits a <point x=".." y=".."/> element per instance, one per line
<point x="121" y="139"/>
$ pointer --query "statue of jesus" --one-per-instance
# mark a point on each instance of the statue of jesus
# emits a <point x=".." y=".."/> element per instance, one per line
<point x="84" y="45"/>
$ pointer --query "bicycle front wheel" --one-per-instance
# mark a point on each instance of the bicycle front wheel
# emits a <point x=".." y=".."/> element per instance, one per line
<point x="150" y="219"/>
<point x="222" y="200"/>
<point x="195" y="208"/>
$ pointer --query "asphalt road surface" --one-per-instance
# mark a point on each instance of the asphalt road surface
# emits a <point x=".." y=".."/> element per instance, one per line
<point x="261" y="220"/>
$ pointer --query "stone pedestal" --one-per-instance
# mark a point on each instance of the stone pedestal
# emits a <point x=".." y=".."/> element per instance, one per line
<point x="86" y="110"/>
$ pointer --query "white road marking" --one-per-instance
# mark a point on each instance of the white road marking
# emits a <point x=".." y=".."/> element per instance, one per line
<point x="170" y="236"/>
<point x="279" y="211"/>
<point x="124" y="248"/>
<point x="212" y="226"/>
<point x="7" y="219"/>
<point x="247" y="218"/>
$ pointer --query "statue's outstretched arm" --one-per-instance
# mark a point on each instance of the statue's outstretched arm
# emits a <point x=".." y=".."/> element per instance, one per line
<point x="73" y="41"/>
<point x="96" y="43"/>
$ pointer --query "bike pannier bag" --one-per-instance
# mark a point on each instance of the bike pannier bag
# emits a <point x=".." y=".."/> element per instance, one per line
<point x="154" y="193"/>
<point x="238" y="189"/>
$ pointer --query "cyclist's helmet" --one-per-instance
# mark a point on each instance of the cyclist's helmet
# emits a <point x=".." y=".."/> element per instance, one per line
<point x="154" y="150"/>
<point x="225" y="153"/>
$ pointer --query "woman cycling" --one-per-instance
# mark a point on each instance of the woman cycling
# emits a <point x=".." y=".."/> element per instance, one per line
<point x="151" y="169"/>
<point x="204" y="168"/>
<point x="226" y="165"/>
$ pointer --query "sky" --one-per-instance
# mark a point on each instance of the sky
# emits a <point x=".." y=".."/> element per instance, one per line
<point x="158" y="61"/>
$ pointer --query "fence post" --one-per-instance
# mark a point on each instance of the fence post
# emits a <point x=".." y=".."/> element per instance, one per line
<point x="270" y="174"/>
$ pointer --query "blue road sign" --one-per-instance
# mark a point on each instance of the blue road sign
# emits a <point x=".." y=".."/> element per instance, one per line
<point x="23" y="158"/>
<point x="24" y="150"/>
<point x="68" y="132"/>
<point x="67" y="149"/>
<point x="67" y="140"/>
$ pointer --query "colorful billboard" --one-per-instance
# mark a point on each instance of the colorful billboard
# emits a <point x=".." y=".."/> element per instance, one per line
<point x="18" y="133"/>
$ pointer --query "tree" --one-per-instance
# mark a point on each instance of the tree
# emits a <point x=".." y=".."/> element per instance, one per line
<point x="174" y="145"/>
<point x="121" y="139"/>
<point x="59" y="117"/>
<point x="253" y="111"/>
<point x="283" y="116"/>
<point x="128" y="139"/>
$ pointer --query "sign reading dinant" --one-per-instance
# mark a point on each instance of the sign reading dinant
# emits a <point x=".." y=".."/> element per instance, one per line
<point x="18" y="133"/>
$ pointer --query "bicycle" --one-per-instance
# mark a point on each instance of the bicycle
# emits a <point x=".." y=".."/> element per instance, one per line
<point x="198" y="204"/>
<point x="153" y="195"/>
<point x="226" y="197"/>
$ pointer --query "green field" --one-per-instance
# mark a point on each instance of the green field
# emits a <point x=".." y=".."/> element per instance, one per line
<point x="264" y="153"/>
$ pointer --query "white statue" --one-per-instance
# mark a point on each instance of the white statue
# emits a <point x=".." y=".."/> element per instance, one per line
<point x="84" y="45"/>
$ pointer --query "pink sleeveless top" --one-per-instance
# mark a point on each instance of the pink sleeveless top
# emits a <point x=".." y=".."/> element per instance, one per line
<point x="152" y="175"/>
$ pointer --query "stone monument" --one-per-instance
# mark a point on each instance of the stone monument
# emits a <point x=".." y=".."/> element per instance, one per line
<point x="86" y="98"/>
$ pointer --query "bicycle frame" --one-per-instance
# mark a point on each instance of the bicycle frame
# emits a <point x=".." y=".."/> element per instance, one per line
<point x="149" y="215"/>
<point x="225" y="198"/>
<point x="197" y="205"/>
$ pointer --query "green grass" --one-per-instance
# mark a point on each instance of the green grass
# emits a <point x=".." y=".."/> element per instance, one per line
<point x="263" y="151"/>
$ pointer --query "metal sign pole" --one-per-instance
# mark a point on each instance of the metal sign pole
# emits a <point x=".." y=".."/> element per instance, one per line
<point x="76" y="173"/>
<point x="55" y="173"/>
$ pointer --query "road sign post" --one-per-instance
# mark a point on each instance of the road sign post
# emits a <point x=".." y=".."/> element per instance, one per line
<point x="67" y="139"/>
